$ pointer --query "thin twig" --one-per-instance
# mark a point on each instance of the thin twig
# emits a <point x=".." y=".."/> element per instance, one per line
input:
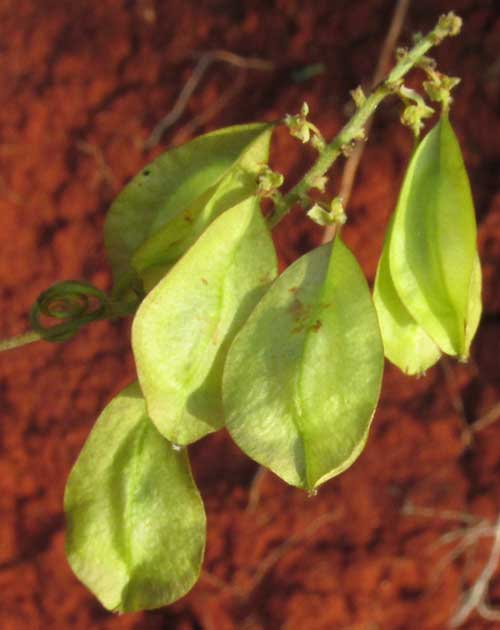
<point x="475" y="597"/>
<point x="217" y="582"/>
<point x="487" y="611"/>
<point x="467" y="540"/>
<point x="255" y="488"/>
<point x="450" y="515"/>
<point x="473" y="531"/>
<point x="352" y="163"/>
<point x="185" y="132"/>
<point x="248" y="63"/>
<point x="488" y="419"/>
<point x="180" y="104"/>
<point x="205" y="60"/>
<point x="456" y="401"/>
<point x="104" y="172"/>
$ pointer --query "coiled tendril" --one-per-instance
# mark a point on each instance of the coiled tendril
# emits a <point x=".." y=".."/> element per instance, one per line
<point x="74" y="303"/>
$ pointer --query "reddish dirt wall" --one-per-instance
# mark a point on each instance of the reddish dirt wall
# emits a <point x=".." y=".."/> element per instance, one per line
<point x="82" y="84"/>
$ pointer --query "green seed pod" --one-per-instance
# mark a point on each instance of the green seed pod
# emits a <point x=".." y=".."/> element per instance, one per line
<point x="302" y="377"/>
<point x="406" y="344"/>
<point x="183" y="328"/>
<point x="432" y="252"/>
<point x="135" y="519"/>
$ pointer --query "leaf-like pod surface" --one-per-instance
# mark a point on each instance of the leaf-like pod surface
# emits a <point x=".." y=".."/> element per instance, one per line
<point x="433" y="245"/>
<point x="406" y="344"/>
<point x="165" y="207"/>
<point x="475" y="303"/>
<point x="183" y="328"/>
<point x="135" y="520"/>
<point x="302" y="377"/>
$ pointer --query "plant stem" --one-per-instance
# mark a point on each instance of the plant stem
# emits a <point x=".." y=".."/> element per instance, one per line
<point x="20" y="340"/>
<point x="70" y="323"/>
<point x="384" y="61"/>
<point x="353" y="129"/>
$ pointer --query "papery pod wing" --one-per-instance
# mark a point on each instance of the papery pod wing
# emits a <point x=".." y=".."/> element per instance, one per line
<point x="433" y="245"/>
<point x="302" y="377"/>
<point x="135" y="520"/>
<point x="162" y="209"/>
<point x="406" y="344"/>
<point x="475" y="303"/>
<point x="183" y="328"/>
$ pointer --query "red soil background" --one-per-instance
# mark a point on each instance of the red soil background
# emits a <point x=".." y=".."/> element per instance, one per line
<point x="82" y="84"/>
